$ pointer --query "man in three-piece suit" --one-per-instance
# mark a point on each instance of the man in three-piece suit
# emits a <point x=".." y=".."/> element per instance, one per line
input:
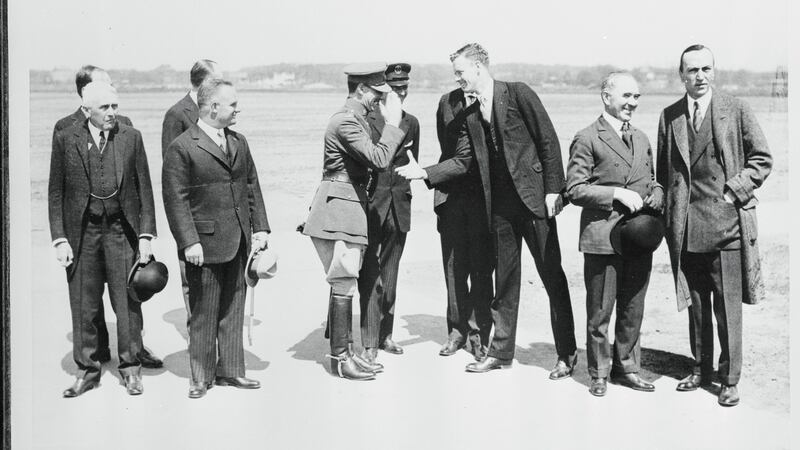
<point x="712" y="156"/>
<point x="337" y="218"/>
<point x="84" y="76"/>
<point x="179" y="118"/>
<point x="215" y="210"/>
<point x="388" y="220"/>
<point x="522" y="176"/>
<point x="101" y="214"/>
<point x="610" y="174"/>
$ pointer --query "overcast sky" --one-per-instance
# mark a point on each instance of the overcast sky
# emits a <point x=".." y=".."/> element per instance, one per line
<point x="143" y="34"/>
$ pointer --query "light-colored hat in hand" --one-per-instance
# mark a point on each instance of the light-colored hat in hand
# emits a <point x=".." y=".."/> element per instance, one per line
<point x="262" y="263"/>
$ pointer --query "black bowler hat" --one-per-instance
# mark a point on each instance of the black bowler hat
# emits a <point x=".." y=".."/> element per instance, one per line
<point x="145" y="281"/>
<point x="637" y="234"/>
<point x="371" y="74"/>
<point x="397" y="74"/>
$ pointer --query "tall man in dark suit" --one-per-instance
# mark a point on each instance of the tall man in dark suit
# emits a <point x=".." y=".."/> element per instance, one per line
<point x="712" y="156"/>
<point x="84" y="76"/>
<point x="610" y="173"/>
<point x="101" y="214"/>
<point x="522" y="176"/>
<point x="215" y="210"/>
<point x="388" y="220"/>
<point x="337" y="218"/>
<point x="179" y="118"/>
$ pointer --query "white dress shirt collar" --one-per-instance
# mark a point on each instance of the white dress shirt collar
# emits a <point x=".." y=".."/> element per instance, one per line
<point x="615" y="123"/>
<point x="193" y="96"/>
<point x="703" y="101"/>
<point x="213" y="133"/>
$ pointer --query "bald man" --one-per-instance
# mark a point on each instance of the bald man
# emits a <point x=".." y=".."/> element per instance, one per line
<point x="101" y="214"/>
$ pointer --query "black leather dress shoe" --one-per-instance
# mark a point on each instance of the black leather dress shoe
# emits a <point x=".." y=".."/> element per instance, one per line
<point x="488" y="363"/>
<point x="79" y="387"/>
<point x="133" y="384"/>
<point x="237" y="382"/>
<point x="451" y="347"/>
<point x="598" y="387"/>
<point x="198" y="390"/>
<point x="728" y="395"/>
<point x="149" y="361"/>
<point x="633" y="381"/>
<point x="390" y="346"/>
<point x="691" y="383"/>
<point x="564" y="367"/>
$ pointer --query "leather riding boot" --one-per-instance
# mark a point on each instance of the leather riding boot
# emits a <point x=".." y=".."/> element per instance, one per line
<point x="342" y="363"/>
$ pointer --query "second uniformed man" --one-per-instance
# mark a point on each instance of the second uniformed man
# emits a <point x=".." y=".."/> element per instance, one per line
<point x="337" y="220"/>
<point x="388" y="219"/>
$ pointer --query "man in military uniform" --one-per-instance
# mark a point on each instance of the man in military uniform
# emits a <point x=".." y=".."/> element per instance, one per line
<point x="337" y="220"/>
<point x="388" y="219"/>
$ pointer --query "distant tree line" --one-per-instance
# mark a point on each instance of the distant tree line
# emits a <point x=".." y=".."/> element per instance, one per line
<point x="432" y="77"/>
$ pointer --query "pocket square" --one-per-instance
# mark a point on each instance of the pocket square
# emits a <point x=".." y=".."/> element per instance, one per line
<point x="409" y="144"/>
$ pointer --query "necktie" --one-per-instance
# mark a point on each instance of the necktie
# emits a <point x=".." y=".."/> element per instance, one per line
<point x="102" y="143"/>
<point x="222" y="146"/>
<point x="626" y="135"/>
<point x="486" y="108"/>
<point x="697" y="120"/>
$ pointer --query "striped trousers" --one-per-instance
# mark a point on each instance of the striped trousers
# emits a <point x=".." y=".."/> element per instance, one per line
<point x="216" y="298"/>
<point x="377" y="282"/>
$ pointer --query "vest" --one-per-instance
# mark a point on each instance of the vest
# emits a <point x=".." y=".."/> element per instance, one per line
<point x="103" y="180"/>
<point x="504" y="194"/>
<point x="713" y="224"/>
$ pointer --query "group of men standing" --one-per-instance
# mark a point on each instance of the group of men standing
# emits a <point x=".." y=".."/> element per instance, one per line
<point x="102" y="219"/>
<point x="500" y="180"/>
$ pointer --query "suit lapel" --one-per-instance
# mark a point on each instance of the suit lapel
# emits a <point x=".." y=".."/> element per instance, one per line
<point x="680" y="133"/>
<point x="479" y="150"/>
<point x="500" y="104"/>
<point x="232" y="144"/>
<point x="613" y="141"/>
<point x="122" y="137"/>
<point x="205" y="143"/>
<point x="639" y="152"/>
<point x="82" y="146"/>
<point x="720" y="110"/>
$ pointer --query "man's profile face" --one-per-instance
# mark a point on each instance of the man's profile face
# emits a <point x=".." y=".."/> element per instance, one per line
<point x="622" y="98"/>
<point x="225" y="106"/>
<point x="466" y="72"/>
<point x="698" y="72"/>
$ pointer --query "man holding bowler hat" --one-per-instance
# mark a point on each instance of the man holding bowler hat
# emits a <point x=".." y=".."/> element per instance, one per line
<point x="610" y="174"/>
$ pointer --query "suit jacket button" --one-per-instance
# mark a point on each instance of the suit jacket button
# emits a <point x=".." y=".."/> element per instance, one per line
<point x="616" y="164"/>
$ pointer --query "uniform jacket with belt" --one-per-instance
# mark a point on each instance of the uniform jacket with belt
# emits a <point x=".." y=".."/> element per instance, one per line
<point x="747" y="162"/>
<point x="391" y="189"/>
<point x="599" y="162"/>
<point x="69" y="189"/>
<point x="338" y="210"/>
<point x="179" y="118"/>
<point x="207" y="198"/>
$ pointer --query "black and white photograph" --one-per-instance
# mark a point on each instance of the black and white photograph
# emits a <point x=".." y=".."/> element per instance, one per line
<point x="400" y="225"/>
